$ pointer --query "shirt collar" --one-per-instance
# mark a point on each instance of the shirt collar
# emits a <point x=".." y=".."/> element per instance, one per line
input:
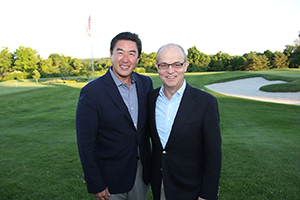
<point x="179" y="92"/>
<point x="117" y="81"/>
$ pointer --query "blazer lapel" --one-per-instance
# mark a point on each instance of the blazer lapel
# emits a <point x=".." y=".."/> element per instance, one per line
<point x="115" y="95"/>
<point x="185" y="107"/>
<point x="142" y="100"/>
<point x="152" y="103"/>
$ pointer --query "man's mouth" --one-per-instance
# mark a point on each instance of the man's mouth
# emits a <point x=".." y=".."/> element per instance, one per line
<point x="170" y="77"/>
<point x="124" y="67"/>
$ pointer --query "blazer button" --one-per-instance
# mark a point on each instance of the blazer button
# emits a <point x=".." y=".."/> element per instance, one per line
<point x="164" y="152"/>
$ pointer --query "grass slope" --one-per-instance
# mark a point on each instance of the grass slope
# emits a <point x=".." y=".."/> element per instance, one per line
<point x="39" y="157"/>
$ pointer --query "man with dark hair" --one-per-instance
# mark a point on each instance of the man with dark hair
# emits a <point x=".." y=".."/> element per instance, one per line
<point x="112" y="130"/>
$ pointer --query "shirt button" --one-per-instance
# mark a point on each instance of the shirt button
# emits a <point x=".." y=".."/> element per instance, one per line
<point x="164" y="152"/>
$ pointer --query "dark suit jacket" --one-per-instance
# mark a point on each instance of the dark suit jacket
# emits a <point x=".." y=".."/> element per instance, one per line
<point x="106" y="136"/>
<point x="190" y="164"/>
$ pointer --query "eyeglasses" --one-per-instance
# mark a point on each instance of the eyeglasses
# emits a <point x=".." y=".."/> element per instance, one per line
<point x="175" y="65"/>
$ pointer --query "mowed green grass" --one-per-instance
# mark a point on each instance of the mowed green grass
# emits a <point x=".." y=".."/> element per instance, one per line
<point x="39" y="157"/>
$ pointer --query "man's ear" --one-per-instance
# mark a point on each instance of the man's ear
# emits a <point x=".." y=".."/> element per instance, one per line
<point x="110" y="55"/>
<point x="187" y="63"/>
<point x="156" y="66"/>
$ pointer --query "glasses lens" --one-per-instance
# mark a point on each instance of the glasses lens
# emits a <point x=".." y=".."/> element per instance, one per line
<point x="177" y="65"/>
<point x="163" y="66"/>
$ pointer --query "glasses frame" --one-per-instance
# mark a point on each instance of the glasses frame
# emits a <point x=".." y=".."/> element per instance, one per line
<point x="171" y="65"/>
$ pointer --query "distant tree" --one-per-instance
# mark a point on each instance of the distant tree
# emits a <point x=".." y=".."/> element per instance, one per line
<point x="216" y="64"/>
<point x="256" y="61"/>
<point x="36" y="75"/>
<point x="86" y="69"/>
<point x="108" y="64"/>
<point x="56" y="59"/>
<point x="76" y="65"/>
<point x="289" y="51"/>
<point x="295" y="59"/>
<point x="148" y="60"/>
<point x="26" y="59"/>
<point x="237" y="63"/>
<point x="198" y="60"/>
<point x="270" y="55"/>
<point x="5" y="61"/>
<point x="280" y="60"/>
<point x="47" y="68"/>
<point x="193" y="55"/>
<point x="220" y="62"/>
<point x="63" y="63"/>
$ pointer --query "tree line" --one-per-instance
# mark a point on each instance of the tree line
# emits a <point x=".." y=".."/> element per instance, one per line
<point x="25" y="63"/>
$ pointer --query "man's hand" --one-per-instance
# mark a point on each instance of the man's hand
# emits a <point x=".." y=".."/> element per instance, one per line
<point x="104" y="195"/>
<point x="200" y="198"/>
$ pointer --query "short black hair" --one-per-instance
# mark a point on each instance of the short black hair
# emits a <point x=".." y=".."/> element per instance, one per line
<point x="127" y="36"/>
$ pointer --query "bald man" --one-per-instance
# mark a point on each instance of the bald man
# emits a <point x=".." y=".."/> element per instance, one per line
<point x="185" y="133"/>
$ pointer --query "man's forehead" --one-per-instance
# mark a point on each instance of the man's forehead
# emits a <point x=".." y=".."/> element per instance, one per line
<point x="126" y="44"/>
<point x="171" y="51"/>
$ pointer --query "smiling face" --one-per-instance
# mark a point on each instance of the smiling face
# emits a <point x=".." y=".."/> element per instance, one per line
<point x="171" y="78"/>
<point x="124" y="58"/>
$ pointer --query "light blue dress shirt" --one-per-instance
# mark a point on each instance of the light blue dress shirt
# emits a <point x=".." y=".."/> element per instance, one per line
<point x="165" y="112"/>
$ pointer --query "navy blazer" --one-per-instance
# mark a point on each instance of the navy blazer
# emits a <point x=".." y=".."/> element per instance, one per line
<point x="190" y="164"/>
<point x="107" y="138"/>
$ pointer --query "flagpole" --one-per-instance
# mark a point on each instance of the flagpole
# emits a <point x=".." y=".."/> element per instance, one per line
<point x="92" y="59"/>
<point x="88" y="29"/>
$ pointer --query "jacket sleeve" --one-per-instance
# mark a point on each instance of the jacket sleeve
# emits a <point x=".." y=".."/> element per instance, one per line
<point x="212" y="151"/>
<point x="86" y="127"/>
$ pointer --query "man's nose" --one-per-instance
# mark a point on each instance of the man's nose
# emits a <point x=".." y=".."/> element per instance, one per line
<point x="125" y="58"/>
<point x="170" y="69"/>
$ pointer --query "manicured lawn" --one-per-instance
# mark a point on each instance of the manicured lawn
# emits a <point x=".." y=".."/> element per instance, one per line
<point x="39" y="157"/>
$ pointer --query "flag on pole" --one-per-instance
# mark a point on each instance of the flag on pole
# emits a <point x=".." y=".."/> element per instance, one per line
<point x="88" y="28"/>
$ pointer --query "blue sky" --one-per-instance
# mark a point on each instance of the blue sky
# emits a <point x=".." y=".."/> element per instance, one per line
<point x="233" y="26"/>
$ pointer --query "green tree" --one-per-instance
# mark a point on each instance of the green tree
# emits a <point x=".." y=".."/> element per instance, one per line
<point x="280" y="60"/>
<point x="63" y="63"/>
<point x="86" y="69"/>
<point x="65" y="67"/>
<point x="270" y="55"/>
<point x="220" y="62"/>
<point x="148" y="60"/>
<point x="26" y="59"/>
<point x="295" y="59"/>
<point x="56" y="59"/>
<point x="256" y="61"/>
<point x="36" y="75"/>
<point x="5" y="61"/>
<point x="198" y="60"/>
<point x="47" y="68"/>
<point x="289" y="51"/>
<point x="76" y="65"/>
<point x="237" y="63"/>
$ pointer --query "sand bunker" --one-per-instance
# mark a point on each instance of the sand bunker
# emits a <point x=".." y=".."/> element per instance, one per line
<point x="249" y="88"/>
